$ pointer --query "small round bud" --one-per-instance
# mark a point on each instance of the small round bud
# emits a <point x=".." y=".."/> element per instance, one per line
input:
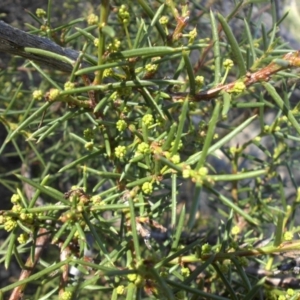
<point x="288" y="236"/>
<point x="203" y="171"/>
<point x="96" y="42"/>
<point x="238" y="88"/>
<point x="186" y="172"/>
<point x="121" y="125"/>
<point x="23" y="216"/>
<point x="235" y="230"/>
<point x="15" y="198"/>
<point x="40" y="13"/>
<point x="108" y="72"/>
<point x="244" y="262"/>
<point x="2" y="220"/>
<point x="199" y="80"/>
<point x="16" y="208"/>
<point x="228" y="63"/>
<point x="148" y="120"/>
<point x="206" y="248"/>
<point x="151" y="67"/>
<point x="66" y="295"/>
<point x="92" y="19"/>
<point x="164" y="20"/>
<point x="185" y="272"/>
<point x="120" y="290"/>
<point x="147" y="188"/>
<point x="10" y="224"/>
<point x="53" y="94"/>
<point x="143" y="148"/>
<point x="179" y="145"/>
<point x="37" y="95"/>
<point x="132" y="277"/>
<point x="23" y="238"/>
<point x="69" y="85"/>
<point x="96" y="199"/>
<point x="114" y="46"/>
<point x="175" y="159"/>
<point x="89" y="146"/>
<point x="123" y="15"/>
<point x="88" y="134"/>
<point x="192" y="35"/>
<point x="120" y="151"/>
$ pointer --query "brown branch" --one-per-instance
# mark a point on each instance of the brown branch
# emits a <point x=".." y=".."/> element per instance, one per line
<point x="290" y="60"/>
<point x="41" y="241"/>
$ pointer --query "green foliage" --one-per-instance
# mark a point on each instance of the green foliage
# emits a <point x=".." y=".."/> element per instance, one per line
<point x="156" y="114"/>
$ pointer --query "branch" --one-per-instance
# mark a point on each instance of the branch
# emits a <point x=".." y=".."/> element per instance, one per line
<point x="14" y="41"/>
<point x="40" y="243"/>
<point x="289" y="60"/>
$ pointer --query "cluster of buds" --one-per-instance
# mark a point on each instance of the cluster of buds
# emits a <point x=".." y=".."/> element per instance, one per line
<point x="121" y="125"/>
<point x="147" y="188"/>
<point x="89" y="137"/>
<point x="120" y="152"/>
<point x="148" y="120"/>
<point x="41" y="13"/>
<point x="114" y="45"/>
<point x="78" y="199"/>
<point x="37" y="95"/>
<point x="10" y="219"/>
<point x="123" y="15"/>
<point x="143" y="148"/>
<point x="192" y="35"/>
<point x="198" y="176"/>
<point x="53" y="95"/>
<point x="69" y="85"/>
<point x="238" y="88"/>
<point x="92" y="19"/>
<point x="65" y="295"/>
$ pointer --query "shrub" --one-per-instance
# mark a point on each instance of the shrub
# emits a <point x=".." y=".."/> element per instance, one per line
<point x="151" y="113"/>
